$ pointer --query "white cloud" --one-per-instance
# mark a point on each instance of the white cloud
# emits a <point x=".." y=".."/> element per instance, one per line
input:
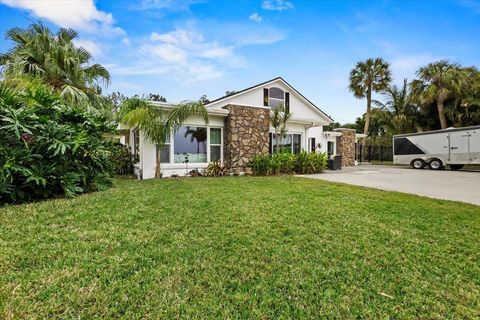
<point x="405" y="66"/>
<point x="139" y="68"/>
<point x="79" y="14"/>
<point x="204" y="72"/>
<point x="166" y="52"/>
<point x="277" y="5"/>
<point x="187" y="54"/>
<point x="267" y="36"/>
<point x="178" y="37"/>
<point x="255" y="17"/>
<point x="217" y="52"/>
<point x="182" y="53"/>
<point x="180" y="43"/>
<point x="175" y="5"/>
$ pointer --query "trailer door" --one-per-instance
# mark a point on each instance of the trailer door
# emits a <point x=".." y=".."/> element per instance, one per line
<point x="459" y="147"/>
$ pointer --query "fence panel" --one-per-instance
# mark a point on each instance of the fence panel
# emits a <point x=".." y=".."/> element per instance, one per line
<point x="375" y="153"/>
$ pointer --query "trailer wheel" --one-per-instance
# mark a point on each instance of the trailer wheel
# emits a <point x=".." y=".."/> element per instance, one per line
<point x="417" y="164"/>
<point x="455" y="167"/>
<point x="435" y="164"/>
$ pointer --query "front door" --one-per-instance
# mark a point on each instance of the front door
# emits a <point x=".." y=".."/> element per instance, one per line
<point x="459" y="147"/>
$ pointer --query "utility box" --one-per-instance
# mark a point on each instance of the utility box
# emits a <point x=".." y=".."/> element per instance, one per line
<point x="335" y="163"/>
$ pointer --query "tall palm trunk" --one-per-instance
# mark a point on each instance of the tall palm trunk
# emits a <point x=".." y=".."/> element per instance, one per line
<point x="367" y="120"/>
<point x="157" y="167"/>
<point x="441" y="113"/>
<point x="369" y="111"/>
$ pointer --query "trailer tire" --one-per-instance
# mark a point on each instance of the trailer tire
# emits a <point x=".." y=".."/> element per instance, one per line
<point x="417" y="164"/>
<point x="456" y="167"/>
<point x="435" y="164"/>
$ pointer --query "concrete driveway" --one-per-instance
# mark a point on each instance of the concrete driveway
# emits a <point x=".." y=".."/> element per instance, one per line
<point x="444" y="184"/>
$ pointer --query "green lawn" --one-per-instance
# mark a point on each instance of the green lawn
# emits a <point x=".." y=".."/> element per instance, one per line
<point x="240" y="247"/>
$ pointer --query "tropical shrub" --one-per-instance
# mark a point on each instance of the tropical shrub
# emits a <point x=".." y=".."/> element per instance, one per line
<point x="122" y="159"/>
<point x="49" y="148"/>
<point x="54" y="57"/>
<point x="215" y="169"/>
<point x="310" y="162"/>
<point x="283" y="163"/>
<point x="260" y="165"/>
<point x="287" y="163"/>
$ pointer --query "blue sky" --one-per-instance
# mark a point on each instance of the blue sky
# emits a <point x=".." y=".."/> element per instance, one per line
<point x="183" y="49"/>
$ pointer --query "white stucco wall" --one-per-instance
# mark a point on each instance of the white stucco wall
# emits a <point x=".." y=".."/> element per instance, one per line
<point x="299" y="107"/>
<point x="148" y="157"/>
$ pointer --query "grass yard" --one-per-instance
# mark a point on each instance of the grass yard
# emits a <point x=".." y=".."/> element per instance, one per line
<point x="240" y="247"/>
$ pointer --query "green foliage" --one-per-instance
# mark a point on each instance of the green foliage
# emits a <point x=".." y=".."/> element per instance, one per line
<point x="49" y="148"/>
<point x="443" y="92"/>
<point x="278" y="119"/>
<point x="57" y="61"/>
<point x="122" y="159"/>
<point x="215" y="169"/>
<point x="260" y="165"/>
<point x="283" y="163"/>
<point x="371" y="75"/>
<point x="287" y="163"/>
<point x="310" y="162"/>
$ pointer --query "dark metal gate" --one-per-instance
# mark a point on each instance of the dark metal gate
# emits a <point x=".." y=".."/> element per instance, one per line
<point x="374" y="153"/>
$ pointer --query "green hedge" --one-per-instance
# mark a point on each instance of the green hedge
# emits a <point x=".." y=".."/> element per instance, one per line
<point x="49" y="148"/>
<point x="287" y="163"/>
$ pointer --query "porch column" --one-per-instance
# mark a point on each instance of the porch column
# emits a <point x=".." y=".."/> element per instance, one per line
<point x="346" y="146"/>
<point x="246" y="134"/>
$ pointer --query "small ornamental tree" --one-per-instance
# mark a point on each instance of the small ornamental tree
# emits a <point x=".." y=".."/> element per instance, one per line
<point x="278" y="119"/>
<point x="157" y="123"/>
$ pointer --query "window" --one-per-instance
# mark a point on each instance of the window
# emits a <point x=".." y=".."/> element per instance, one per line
<point x="276" y="97"/>
<point x="311" y="145"/>
<point x="190" y="145"/>
<point x="136" y="143"/>
<point x="330" y="148"/>
<point x="164" y="152"/>
<point x="291" y="143"/>
<point x="296" y="143"/>
<point x="215" y="144"/>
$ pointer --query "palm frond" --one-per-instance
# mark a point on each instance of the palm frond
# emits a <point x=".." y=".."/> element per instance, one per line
<point x="183" y="110"/>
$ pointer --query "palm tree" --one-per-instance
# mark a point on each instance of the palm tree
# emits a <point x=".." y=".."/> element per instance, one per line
<point x="278" y="118"/>
<point x="158" y="123"/>
<point x="54" y="58"/>
<point x="437" y="82"/>
<point x="402" y="112"/>
<point x="468" y="103"/>
<point x="371" y="75"/>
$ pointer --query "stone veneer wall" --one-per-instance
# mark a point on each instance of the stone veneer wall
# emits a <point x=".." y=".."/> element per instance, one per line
<point x="245" y="134"/>
<point x="346" y="146"/>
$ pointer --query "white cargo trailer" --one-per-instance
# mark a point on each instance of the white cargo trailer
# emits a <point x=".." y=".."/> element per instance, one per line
<point x="454" y="147"/>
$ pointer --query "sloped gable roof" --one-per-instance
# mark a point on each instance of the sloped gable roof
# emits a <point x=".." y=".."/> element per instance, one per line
<point x="308" y="102"/>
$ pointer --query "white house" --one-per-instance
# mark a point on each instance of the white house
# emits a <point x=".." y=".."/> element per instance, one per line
<point x="238" y="129"/>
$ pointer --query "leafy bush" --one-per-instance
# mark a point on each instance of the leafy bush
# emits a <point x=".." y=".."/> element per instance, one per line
<point x="310" y="162"/>
<point x="49" y="148"/>
<point x="284" y="163"/>
<point x="287" y="163"/>
<point x="215" y="169"/>
<point x="122" y="159"/>
<point x="260" y="165"/>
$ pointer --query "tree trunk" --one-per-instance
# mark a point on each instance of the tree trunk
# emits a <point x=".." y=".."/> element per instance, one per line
<point x="367" y="117"/>
<point x="158" y="173"/>
<point x="441" y="114"/>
